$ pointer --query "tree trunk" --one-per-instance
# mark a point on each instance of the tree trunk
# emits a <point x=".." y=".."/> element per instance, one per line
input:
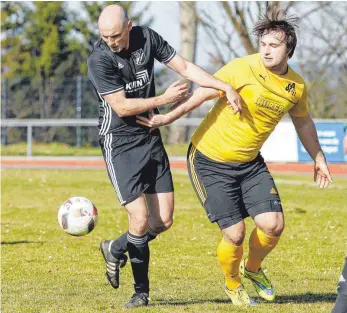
<point x="188" y="23"/>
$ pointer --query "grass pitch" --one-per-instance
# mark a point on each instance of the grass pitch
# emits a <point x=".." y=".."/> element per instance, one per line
<point x="45" y="270"/>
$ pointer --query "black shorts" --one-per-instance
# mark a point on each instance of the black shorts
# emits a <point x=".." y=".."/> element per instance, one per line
<point x="136" y="165"/>
<point x="235" y="190"/>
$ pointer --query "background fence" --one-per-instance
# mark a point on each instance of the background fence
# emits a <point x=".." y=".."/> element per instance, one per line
<point x="31" y="125"/>
<point x="282" y="146"/>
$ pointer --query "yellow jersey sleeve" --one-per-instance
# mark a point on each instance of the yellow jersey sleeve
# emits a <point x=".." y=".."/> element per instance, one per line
<point x="230" y="73"/>
<point x="301" y="108"/>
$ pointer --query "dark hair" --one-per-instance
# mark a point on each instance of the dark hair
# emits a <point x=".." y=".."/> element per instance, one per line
<point x="277" y="20"/>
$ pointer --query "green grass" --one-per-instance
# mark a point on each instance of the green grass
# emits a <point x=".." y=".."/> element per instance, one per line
<point x="45" y="270"/>
<point x="61" y="149"/>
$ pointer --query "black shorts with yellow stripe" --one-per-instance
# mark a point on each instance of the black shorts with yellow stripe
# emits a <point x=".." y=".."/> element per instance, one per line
<point x="233" y="190"/>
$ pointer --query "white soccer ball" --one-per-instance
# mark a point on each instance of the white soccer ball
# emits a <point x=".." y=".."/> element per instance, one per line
<point x="77" y="216"/>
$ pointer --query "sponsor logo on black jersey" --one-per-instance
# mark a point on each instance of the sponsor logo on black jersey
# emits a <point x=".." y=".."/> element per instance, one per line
<point x="139" y="57"/>
<point x="142" y="80"/>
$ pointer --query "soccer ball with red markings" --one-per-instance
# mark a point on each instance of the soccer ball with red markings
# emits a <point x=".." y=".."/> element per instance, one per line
<point x="77" y="216"/>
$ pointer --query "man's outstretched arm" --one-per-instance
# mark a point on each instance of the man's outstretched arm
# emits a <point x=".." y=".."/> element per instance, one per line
<point x="110" y="86"/>
<point x="198" y="97"/>
<point x="197" y="75"/>
<point x="131" y="106"/>
<point x="308" y="135"/>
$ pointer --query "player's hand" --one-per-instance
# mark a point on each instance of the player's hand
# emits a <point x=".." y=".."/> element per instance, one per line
<point x="322" y="175"/>
<point x="176" y="92"/>
<point x="153" y="120"/>
<point x="233" y="100"/>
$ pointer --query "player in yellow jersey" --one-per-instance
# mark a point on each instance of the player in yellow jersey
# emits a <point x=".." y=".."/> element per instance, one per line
<point x="225" y="166"/>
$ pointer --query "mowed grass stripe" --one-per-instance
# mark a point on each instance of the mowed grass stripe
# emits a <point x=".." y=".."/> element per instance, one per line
<point x="45" y="270"/>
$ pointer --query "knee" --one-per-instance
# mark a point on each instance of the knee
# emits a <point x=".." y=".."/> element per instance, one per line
<point x="235" y="236"/>
<point x="163" y="225"/>
<point x="168" y="223"/>
<point x="273" y="228"/>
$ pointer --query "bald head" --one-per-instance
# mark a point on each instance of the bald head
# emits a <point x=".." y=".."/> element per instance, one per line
<point x="115" y="27"/>
<point x="112" y="18"/>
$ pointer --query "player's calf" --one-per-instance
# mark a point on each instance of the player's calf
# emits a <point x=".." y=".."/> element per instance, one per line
<point x="159" y="227"/>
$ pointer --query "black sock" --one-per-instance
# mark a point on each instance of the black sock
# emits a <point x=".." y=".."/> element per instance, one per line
<point x="139" y="258"/>
<point x="151" y="234"/>
<point x="119" y="246"/>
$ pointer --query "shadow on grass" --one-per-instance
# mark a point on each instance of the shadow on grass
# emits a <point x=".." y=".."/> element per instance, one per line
<point x="280" y="299"/>
<point x="22" y="242"/>
<point x="307" y="298"/>
<point x="187" y="302"/>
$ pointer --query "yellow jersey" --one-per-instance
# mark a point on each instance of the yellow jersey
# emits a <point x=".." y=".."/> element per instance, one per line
<point x="227" y="137"/>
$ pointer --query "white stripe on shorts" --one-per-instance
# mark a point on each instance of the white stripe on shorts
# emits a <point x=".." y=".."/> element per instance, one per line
<point x="110" y="167"/>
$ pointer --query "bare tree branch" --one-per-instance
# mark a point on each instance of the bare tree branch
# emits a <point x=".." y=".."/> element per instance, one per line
<point x="216" y="38"/>
<point x="288" y="6"/>
<point x="240" y="28"/>
<point x="321" y="5"/>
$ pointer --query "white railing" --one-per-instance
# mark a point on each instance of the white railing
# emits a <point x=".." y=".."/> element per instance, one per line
<point x="30" y="123"/>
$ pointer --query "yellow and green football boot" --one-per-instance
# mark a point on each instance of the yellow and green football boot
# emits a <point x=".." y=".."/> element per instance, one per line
<point x="239" y="296"/>
<point x="261" y="283"/>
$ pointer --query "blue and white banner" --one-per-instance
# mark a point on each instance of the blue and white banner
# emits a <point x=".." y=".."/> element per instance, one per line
<point x="330" y="136"/>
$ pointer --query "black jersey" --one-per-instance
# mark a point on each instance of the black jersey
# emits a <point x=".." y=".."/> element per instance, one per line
<point x="131" y="71"/>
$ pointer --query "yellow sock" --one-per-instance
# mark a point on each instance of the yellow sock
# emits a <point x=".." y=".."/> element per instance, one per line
<point x="229" y="259"/>
<point x="260" y="245"/>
